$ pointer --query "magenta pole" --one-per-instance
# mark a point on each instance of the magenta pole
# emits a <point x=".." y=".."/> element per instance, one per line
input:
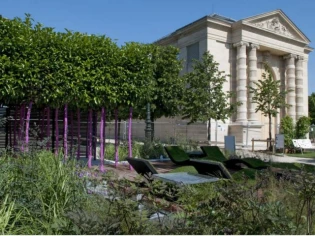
<point x="56" y="132"/>
<point x="48" y="128"/>
<point x="71" y="139"/>
<point x="41" y="123"/>
<point x="10" y="130"/>
<point x="22" y="114"/>
<point x="129" y="135"/>
<point x="116" y="137"/>
<point x="65" y="132"/>
<point x="27" y="125"/>
<point x="90" y="138"/>
<point x="104" y="131"/>
<point x="102" y="140"/>
<point x="14" y="127"/>
<point x="79" y="134"/>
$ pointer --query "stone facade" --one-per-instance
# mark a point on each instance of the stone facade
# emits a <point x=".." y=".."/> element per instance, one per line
<point x="242" y="48"/>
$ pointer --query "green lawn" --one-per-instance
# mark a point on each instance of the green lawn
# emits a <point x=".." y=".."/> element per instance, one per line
<point x="305" y="154"/>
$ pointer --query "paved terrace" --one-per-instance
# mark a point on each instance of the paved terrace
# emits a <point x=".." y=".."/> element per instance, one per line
<point x="165" y="166"/>
<point x="123" y="170"/>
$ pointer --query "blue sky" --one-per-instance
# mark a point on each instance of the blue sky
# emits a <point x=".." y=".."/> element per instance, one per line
<point x="148" y="20"/>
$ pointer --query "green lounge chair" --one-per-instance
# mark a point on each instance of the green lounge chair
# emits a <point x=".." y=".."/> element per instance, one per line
<point x="142" y="167"/>
<point x="212" y="168"/>
<point x="215" y="154"/>
<point x="180" y="157"/>
<point x="177" y="155"/>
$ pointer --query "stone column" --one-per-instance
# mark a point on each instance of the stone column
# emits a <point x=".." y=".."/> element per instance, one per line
<point x="241" y="78"/>
<point x="299" y="87"/>
<point x="290" y="80"/>
<point x="252" y="115"/>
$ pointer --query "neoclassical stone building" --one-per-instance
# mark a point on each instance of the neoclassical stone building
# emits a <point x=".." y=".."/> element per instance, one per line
<point x="242" y="48"/>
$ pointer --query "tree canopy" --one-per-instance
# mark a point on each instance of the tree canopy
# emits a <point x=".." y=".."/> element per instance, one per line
<point x="204" y="97"/>
<point x="268" y="96"/>
<point x="168" y="88"/>
<point x="49" y="68"/>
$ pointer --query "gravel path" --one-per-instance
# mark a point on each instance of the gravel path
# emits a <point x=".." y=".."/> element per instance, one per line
<point x="275" y="158"/>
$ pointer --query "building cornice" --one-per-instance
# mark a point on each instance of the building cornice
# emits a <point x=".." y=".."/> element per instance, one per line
<point x="172" y="36"/>
<point x="191" y="27"/>
<point x="285" y="17"/>
<point x="308" y="49"/>
<point x="272" y="33"/>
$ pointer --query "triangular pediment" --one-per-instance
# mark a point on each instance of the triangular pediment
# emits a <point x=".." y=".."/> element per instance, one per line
<point x="277" y="22"/>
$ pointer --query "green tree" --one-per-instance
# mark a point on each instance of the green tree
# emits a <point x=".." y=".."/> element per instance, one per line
<point x="302" y="127"/>
<point x="268" y="97"/>
<point x="137" y="84"/>
<point x="169" y="86"/>
<point x="204" y="98"/>
<point x="288" y="130"/>
<point x="311" y="107"/>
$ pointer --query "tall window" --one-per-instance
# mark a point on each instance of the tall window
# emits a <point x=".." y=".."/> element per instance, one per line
<point x="192" y="53"/>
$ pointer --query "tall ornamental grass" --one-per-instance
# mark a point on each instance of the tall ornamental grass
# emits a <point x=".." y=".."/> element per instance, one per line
<point x="36" y="191"/>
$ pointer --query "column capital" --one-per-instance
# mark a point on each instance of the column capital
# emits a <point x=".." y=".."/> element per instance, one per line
<point x="289" y="56"/>
<point x="254" y="46"/>
<point x="241" y="43"/>
<point x="300" y="58"/>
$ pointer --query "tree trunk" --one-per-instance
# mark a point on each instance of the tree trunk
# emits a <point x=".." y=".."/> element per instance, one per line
<point x="71" y="131"/>
<point x="102" y="140"/>
<point x="14" y="128"/>
<point x="41" y="114"/>
<point x="129" y="136"/>
<point x="129" y="133"/>
<point x="48" y="129"/>
<point x="10" y="127"/>
<point x="21" y="132"/>
<point x="90" y="138"/>
<point x="270" y="146"/>
<point x="94" y="133"/>
<point x="7" y="142"/>
<point x="56" y="133"/>
<point x="119" y="127"/>
<point x="209" y="131"/>
<point x="65" y="133"/>
<point x="116" y="137"/>
<point x="27" y="125"/>
<point x="79" y="134"/>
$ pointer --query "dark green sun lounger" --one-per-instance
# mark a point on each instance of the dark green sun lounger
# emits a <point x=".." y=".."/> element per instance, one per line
<point x="180" y="157"/>
<point x="177" y="155"/>
<point x="212" y="168"/>
<point x="214" y="153"/>
<point x="142" y="167"/>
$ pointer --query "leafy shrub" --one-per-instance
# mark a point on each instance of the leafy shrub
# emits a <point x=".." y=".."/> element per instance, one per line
<point x="110" y="152"/>
<point x="152" y="149"/>
<point x="287" y="128"/>
<point x="302" y="127"/>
